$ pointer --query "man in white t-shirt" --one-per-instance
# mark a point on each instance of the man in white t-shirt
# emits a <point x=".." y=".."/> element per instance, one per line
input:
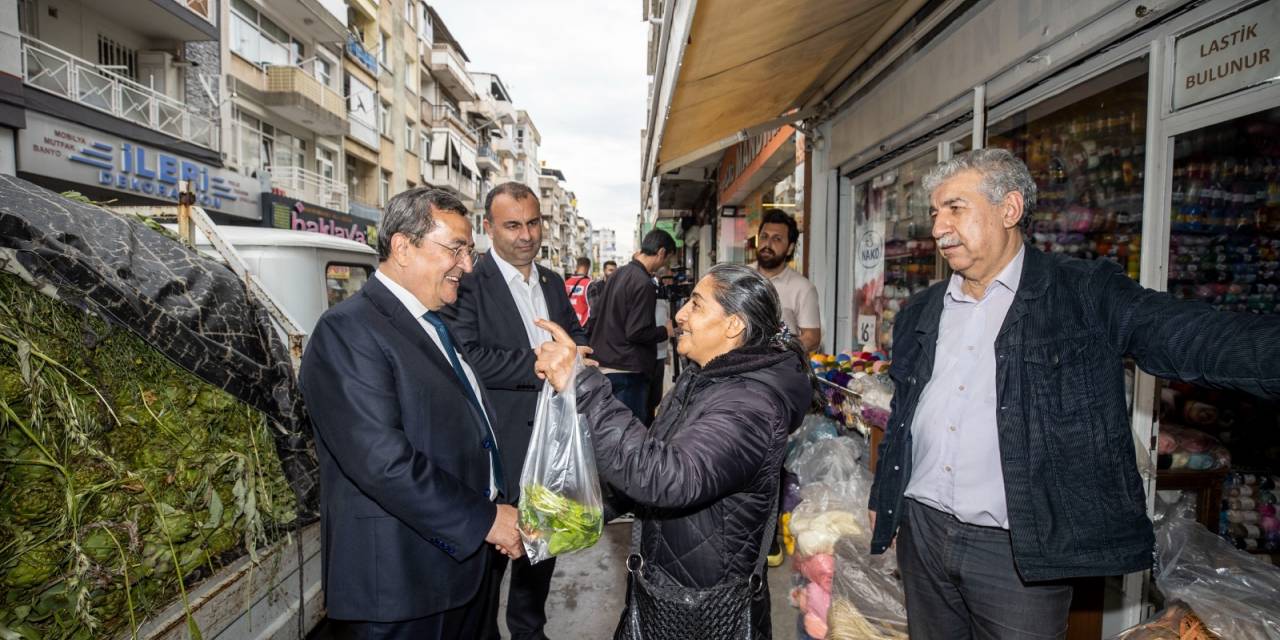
<point x="775" y="244"/>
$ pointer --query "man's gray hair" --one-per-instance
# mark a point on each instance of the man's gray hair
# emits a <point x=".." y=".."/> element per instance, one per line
<point x="412" y="213"/>
<point x="1002" y="174"/>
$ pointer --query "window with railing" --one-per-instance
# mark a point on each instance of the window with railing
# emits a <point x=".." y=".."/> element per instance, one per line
<point x="117" y="57"/>
<point x="100" y="87"/>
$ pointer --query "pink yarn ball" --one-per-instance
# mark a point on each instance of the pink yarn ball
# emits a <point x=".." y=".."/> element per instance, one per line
<point x="1270" y="524"/>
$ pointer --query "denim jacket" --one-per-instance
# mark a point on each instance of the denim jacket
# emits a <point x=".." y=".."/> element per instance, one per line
<point x="1075" y="499"/>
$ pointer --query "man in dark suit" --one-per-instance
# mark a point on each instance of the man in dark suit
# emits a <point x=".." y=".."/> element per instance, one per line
<point x="494" y="320"/>
<point x="411" y="474"/>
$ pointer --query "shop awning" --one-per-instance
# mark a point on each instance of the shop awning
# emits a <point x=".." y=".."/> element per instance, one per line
<point x="743" y="65"/>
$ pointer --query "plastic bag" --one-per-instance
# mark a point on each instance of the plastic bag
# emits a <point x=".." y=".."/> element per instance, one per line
<point x="815" y="428"/>
<point x="561" y="509"/>
<point x="1175" y="622"/>
<point x="827" y="513"/>
<point x="831" y="460"/>
<point x="867" y="601"/>
<point x="1233" y="592"/>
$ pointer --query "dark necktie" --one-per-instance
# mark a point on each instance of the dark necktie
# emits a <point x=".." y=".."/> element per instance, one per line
<point x="489" y="441"/>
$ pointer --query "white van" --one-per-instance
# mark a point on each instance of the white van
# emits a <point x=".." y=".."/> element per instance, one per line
<point x="305" y="272"/>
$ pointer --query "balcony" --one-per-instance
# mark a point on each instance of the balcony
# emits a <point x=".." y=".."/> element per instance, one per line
<point x="450" y="70"/>
<point x="486" y="159"/>
<point x="444" y="116"/>
<point x="296" y="95"/>
<point x="361" y="56"/>
<point x="309" y="186"/>
<point x="51" y="69"/>
<point x="502" y="147"/>
<point x="323" y="20"/>
<point x="444" y="177"/>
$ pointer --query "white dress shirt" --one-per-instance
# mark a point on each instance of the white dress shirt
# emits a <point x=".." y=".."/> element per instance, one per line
<point x="417" y="309"/>
<point x="530" y="301"/>
<point x="955" y="445"/>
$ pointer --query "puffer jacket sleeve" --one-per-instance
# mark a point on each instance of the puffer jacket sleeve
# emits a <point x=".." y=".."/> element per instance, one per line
<point x="716" y="454"/>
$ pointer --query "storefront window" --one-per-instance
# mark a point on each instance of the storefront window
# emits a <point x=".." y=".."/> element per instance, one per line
<point x="894" y="247"/>
<point x="1086" y="149"/>
<point x="1224" y="249"/>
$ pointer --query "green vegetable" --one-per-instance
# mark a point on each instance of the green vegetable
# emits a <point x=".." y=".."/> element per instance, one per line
<point x="124" y="477"/>
<point x="564" y="525"/>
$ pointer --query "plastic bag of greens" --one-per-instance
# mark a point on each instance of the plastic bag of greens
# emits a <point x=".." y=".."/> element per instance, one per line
<point x="560" y="505"/>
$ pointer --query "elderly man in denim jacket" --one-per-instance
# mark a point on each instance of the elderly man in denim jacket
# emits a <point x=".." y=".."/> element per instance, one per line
<point x="1008" y="464"/>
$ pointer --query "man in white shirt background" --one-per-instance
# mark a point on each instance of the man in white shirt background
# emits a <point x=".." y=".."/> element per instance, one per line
<point x="493" y="319"/>
<point x="775" y="246"/>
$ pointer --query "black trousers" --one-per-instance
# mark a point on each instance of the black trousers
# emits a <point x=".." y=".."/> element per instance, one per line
<point x="526" y="598"/>
<point x="654" y="397"/>
<point x="461" y="623"/>
<point x="961" y="582"/>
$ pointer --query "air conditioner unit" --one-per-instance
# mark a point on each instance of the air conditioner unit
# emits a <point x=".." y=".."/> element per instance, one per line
<point x="156" y="70"/>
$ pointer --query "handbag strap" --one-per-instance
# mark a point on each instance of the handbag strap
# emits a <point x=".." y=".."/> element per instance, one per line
<point x="770" y="528"/>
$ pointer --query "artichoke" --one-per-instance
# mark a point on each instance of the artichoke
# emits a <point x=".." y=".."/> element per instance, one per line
<point x="36" y="565"/>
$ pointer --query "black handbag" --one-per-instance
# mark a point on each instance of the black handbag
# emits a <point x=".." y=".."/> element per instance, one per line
<point x="672" y="612"/>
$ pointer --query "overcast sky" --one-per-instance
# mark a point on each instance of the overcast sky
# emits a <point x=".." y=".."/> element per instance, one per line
<point x="578" y="69"/>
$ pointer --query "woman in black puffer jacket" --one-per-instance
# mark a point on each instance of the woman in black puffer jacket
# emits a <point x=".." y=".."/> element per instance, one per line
<point x="704" y="476"/>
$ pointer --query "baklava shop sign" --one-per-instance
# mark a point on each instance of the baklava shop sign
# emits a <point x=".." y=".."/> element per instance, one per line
<point x="1239" y="51"/>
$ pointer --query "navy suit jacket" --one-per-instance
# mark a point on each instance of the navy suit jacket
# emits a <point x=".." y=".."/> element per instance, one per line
<point x="403" y="471"/>
<point x="488" y="326"/>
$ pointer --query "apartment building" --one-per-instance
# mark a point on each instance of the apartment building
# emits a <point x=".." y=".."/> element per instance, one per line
<point x="604" y="246"/>
<point x="121" y="102"/>
<point x="554" y="198"/>
<point x="307" y="114"/>
<point x="526" y="167"/>
<point x="284" y="114"/>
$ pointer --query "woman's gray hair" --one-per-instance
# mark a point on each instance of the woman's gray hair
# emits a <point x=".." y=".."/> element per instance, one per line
<point x="743" y="292"/>
<point x="1002" y="174"/>
<point x="412" y="212"/>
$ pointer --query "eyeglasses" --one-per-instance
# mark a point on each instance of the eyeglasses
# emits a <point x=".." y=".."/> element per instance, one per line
<point x="461" y="251"/>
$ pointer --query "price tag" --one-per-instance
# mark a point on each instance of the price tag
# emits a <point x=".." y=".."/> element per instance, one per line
<point x="866" y="335"/>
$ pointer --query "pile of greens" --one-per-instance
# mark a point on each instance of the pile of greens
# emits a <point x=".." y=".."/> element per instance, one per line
<point x="125" y="479"/>
<point x="555" y="524"/>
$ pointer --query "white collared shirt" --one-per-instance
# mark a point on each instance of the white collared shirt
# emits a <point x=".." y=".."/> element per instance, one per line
<point x="417" y="309"/>
<point x="955" y="446"/>
<point x="530" y="301"/>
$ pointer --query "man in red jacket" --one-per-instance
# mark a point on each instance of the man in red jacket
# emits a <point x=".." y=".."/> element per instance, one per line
<point x="576" y="288"/>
